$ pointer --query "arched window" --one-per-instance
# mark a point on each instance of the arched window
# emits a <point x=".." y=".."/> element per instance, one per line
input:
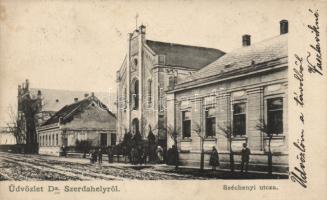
<point x="149" y="91"/>
<point x="135" y="95"/>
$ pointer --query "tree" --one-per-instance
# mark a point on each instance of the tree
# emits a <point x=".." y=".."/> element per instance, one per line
<point x="127" y="144"/>
<point x="151" y="145"/>
<point x="83" y="146"/>
<point x="15" y="126"/>
<point x="227" y="132"/>
<point x="263" y="128"/>
<point x="198" y="130"/>
<point x="29" y="107"/>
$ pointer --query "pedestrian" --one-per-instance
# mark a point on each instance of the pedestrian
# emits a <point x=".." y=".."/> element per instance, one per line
<point x="143" y="156"/>
<point x="134" y="155"/>
<point x="64" y="151"/>
<point x="100" y="155"/>
<point x="159" y="152"/>
<point x="96" y="152"/>
<point x="214" y="158"/>
<point x="110" y="155"/>
<point x="91" y="156"/>
<point x="245" y="157"/>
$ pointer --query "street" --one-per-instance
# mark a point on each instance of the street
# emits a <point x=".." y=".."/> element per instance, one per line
<point x="36" y="167"/>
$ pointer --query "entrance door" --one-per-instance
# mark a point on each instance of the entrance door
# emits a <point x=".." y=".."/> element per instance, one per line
<point x="103" y="139"/>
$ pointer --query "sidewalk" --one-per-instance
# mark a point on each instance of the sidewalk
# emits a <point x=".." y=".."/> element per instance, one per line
<point x="220" y="173"/>
<point x="183" y="170"/>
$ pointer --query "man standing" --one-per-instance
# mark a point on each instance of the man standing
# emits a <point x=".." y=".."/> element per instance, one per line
<point x="214" y="158"/>
<point x="100" y="155"/>
<point x="245" y="157"/>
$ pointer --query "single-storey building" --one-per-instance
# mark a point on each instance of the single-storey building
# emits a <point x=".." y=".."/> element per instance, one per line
<point x="242" y="94"/>
<point x="85" y="120"/>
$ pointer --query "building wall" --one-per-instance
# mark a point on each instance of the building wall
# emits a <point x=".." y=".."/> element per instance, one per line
<point x="7" y="138"/>
<point x="87" y="125"/>
<point x="50" y="141"/>
<point x="254" y="91"/>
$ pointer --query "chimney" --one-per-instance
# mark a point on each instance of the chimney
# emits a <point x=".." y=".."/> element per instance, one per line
<point x="75" y="99"/>
<point x="246" y="40"/>
<point x="86" y="95"/>
<point x="92" y="94"/>
<point x="283" y="26"/>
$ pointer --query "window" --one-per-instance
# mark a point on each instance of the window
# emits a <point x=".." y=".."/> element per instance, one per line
<point x="186" y="126"/>
<point x="57" y="139"/>
<point x="136" y="95"/>
<point x="53" y="141"/>
<point x="113" y="139"/>
<point x="239" y="117"/>
<point x="149" y="91"/>
<point x="103" y="139"/>
<point x="275" y="116"/>
<point x="161" y="59"/>
<point x="210" y="122"/>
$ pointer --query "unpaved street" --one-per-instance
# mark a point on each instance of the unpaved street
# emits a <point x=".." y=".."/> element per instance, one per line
<point x="36" y="167"/>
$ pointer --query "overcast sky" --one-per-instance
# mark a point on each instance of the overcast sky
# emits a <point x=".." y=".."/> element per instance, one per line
<point x="79" y="45"/>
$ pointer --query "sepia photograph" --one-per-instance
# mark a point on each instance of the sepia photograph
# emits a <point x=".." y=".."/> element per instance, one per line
<point x="157" y="91"/>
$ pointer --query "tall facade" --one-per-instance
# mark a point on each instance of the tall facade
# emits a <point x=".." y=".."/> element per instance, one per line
<point x="239" y="98"/>
<point x="144" y="76"/>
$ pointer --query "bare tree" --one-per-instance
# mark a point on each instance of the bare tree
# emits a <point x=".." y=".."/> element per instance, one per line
<point x="227" y="132"/>
<point x="15" y="126"/>
<point x="263" y="128"/>
<point x="198" y="130"/>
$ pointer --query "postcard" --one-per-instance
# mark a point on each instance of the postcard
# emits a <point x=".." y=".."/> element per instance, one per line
<point x="177" y="99"/>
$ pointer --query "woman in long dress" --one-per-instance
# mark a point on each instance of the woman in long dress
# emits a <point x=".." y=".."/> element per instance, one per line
<point x="214" y="158"/>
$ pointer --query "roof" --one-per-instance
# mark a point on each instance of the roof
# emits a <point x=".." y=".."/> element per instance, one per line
<point x="183" y="55"/>
<point x="68" y="112"/>
<point x="238" y="61"/>
<point x="54" y="99"/>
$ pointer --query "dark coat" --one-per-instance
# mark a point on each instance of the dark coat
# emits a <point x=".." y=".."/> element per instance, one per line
<point x="214" y="158"/>
<point x="246" y="154"/>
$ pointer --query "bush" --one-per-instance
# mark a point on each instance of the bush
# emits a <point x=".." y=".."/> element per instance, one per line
<point x="83" y="146"/>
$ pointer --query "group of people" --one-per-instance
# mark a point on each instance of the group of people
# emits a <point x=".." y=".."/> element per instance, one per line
<point x="245" y="157"/>
<point x="96" y="155"/>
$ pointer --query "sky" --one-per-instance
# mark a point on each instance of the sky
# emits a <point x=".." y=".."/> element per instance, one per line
<point x="79" y="45"/>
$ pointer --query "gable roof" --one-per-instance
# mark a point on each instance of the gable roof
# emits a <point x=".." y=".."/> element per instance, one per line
<point x="54" y="99"/>
<point x="68" y="112"/>
<point x="273" y="50"/>
<point x="179" y="55"/>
